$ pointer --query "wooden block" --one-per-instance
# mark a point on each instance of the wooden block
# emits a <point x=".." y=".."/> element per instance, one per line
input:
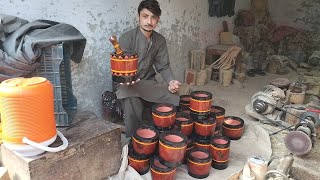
<point x="94" y="152"/>
<point x="197" y="59"/>
<point x="191" y="77"/>
<point x="201" y="77"/>
<point x="209" y="72"/>
<point x="226" y="38"/>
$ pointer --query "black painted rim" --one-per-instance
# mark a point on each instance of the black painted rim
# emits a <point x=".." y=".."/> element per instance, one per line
<point x="146" y="140"/>
<point x="197" y="160"/>
<point x="233" y="126"/>
<point x="173" y="144"/>
<point x="184" y="115"/>
<point x="123" y="79"/>
<point x="123" y="55"/>
<point x="193" y="95"/>
<point x="138" y="157"/>
<point x="159" y="169"/>
<point x="203" y="141"/>
<point x="219" y="165"/>
<point x="171" y="112"/>
<point x="223" y="111"/>
<point x="220" y="145"/>
<point x="183" y="102"/>
<point x="211" y="119"/>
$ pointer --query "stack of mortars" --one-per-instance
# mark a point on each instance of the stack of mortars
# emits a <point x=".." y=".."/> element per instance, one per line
<point x="180" y="143"/>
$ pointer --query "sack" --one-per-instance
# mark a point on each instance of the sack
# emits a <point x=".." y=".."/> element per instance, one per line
<point x="111" y="107"/>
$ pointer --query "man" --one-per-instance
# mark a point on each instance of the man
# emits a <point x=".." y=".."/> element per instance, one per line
<point x="152" y="51"/>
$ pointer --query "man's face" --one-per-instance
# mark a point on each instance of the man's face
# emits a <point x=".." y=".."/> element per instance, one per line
<point x="147" y="20"/>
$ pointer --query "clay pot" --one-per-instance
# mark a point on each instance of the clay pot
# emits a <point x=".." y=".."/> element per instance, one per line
<point x="184" y="123"/>
<point x="123" y="67"/>
<point x="219" y="113"/>
<point x="202" y="143"/>
<point x="205" y="128"/>
<point x="140" y="163"/>
<point x="220" y="149"/>
<point x="184" y="102"/>
<point x="199" y="163"/>
<point x="160" y="171"/>
<point x="200" y="104"/>
<point x="233" y="127"/>
<point x="172" y="148"/>
<point x="145" y="140"/>
<point x="164" y="116"/>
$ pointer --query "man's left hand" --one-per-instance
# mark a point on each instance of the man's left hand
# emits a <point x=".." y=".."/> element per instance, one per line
<point x="174" y="86"/>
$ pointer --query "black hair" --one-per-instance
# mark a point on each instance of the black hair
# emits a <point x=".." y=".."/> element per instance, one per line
<point x="151" y="5"/>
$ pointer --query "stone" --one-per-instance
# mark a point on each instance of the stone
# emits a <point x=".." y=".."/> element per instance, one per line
<point x="94" y="152"/>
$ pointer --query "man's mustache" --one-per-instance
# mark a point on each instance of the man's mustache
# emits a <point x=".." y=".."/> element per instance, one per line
<point x="149" y="25"/>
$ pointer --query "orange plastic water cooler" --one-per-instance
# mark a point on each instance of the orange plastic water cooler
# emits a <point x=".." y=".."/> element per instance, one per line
<point x="27" y="115"/>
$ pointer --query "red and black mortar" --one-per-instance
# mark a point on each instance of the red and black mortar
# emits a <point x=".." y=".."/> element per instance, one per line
<point x="172" y="148"/>
<point x="219" y="113"/>
<point x="199" y="163"/>
<point x="190" y="145"/>
<point x="220" y="149"/>
<point x="160" y="171"/>
<point x="184" y="123"/>
<point x="145" y="140"/>
<point x="200" y="104"/>
<point x="233" y="127"/>
<point x="202" y="143"/>
<point x="123" y="67"/>
<point x="140" y="163"/>
<point x="164" y="116"/>
<point x="184" y="102"/>
<point x="204" y="128"/>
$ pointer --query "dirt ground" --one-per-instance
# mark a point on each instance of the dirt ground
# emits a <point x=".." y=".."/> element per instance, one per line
<point x="234" y="99"/>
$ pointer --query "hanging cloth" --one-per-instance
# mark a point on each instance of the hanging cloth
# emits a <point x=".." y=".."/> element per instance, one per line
<point x="216" y="8"/>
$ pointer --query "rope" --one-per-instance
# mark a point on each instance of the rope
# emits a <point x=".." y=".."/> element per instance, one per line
<point x="227" y="59"/>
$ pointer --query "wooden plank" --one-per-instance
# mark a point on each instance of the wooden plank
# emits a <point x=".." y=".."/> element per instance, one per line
<point x="197" y="59"/>
<point x="201" y="77"/>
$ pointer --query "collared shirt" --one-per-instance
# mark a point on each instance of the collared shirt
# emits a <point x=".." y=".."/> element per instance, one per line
<point x="150" y="53"/>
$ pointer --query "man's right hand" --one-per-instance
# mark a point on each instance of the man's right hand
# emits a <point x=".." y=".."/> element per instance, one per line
<point x="130" y="83"/>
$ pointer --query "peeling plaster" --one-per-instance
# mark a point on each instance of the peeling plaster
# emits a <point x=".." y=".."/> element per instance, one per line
<point x="302" y="14"/>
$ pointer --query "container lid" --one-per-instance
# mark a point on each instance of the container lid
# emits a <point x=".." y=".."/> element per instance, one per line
<point x="22" y="82"/>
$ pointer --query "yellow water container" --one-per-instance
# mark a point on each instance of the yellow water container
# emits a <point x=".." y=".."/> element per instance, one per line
<point x="27" y="115"/>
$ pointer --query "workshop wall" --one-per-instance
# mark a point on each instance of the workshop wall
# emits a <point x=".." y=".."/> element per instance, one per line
<point x="296" y="13"/>
<point x="185" y="23"/>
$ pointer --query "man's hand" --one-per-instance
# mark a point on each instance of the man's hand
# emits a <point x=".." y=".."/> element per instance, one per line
<point x="130" y="83"/>
<point x="174" y="86"/>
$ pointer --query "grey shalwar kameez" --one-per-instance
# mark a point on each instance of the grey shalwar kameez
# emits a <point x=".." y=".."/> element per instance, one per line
<point x="151" y="53"/>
